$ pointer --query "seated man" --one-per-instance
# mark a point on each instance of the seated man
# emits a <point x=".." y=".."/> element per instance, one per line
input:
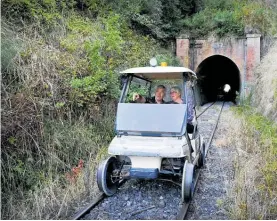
<point x="175" y="94"/>
<point x="157" y="99"/>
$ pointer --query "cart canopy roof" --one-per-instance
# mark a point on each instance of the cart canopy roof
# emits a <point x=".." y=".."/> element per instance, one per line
<point x="159" y="72"/>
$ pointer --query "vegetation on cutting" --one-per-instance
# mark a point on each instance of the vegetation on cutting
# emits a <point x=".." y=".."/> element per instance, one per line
<point x="233" y="17"/>
<point x="60" y="85"/>
<point x="254" y="135"/>
<point x="59" y="90"/>
<point x="253" y="195"/>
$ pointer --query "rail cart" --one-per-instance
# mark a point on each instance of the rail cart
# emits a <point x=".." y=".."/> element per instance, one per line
<point x="151" y="139"/>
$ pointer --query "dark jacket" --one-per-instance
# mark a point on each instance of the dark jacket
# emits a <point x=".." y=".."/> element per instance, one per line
<point x="152" y="100"/>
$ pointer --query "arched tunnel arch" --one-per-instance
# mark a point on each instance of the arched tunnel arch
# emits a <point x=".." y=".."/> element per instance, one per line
<point x="213" y="73"/>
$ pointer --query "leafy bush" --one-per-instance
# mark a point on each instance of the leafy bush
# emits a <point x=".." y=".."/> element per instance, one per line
<point x="171" y="60"/>
<point x="58" y="101"/>
<point x="231" y="18"/>
<point x="218" y="5"/>
<point x="158" y="18"/>
<point x="199" y="24"/>
<point x="10" y="46"/>
<point x="225" y="22"/>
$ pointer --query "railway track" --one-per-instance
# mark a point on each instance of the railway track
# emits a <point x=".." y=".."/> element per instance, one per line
<point x="183" y="212"/>
<point x="184" y="208"/>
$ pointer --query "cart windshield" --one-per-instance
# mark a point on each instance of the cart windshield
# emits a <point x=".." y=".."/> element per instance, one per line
<point x="146" y="117"/>
<point x="151" y="119"/>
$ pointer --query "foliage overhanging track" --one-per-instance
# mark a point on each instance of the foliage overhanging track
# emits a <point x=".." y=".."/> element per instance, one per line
<point x="183" y="212"/>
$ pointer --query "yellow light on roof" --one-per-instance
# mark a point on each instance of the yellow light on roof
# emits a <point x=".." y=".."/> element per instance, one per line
<point x="163" y="64"/>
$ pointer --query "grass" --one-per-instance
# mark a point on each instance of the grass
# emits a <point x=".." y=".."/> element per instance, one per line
<point x="43" y="141"/>
<point x="253" y="194"/>
<point x="264" y="95"/>
<point x="45" y="184"/>
<point x="253" y="132"/>
<point x="232" y="18"/>
<point x="53" y="134"/>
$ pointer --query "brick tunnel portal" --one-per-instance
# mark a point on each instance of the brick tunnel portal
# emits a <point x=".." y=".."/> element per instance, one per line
<point x="213" y="74"/>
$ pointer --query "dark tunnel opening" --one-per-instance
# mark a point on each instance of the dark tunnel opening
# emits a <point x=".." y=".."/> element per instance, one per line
<point x="213" y="74"/>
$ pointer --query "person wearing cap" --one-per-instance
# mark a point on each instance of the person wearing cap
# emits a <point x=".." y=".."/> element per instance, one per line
<point x="157" y="99"/>
<point x="175" y="94"/>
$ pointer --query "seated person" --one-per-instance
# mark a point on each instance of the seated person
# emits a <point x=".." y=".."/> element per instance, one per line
<point x="175" y="94"/>
<point x="157" y="99"/>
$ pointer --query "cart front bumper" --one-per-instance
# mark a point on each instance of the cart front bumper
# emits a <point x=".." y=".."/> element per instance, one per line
<point x="144" y="173"/>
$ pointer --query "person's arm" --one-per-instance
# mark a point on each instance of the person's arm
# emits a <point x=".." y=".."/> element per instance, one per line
<point x="190" y="107"/>
<point x="138" y="98"/>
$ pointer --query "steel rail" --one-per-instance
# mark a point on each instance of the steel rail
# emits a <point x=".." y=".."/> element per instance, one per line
<point x="204" y="110"/>
<point x="95" y="202"/>
<point x="184" y="209"/>
<point x="83" y="212"/>
<point x="215" y="127"/>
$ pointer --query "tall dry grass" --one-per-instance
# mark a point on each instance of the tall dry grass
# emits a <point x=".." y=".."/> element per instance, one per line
<point x="50" y="177"/>
<point x="265" y="87"/>
<point x="253" y="133"/>
<point x="253" y="192"/>
<point x="44" y="178"/>
<point x="58" y="88"/>
<point x="49" y="151"/>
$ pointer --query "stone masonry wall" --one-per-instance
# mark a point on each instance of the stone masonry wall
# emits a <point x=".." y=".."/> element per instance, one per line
<point x="244" y="52"/>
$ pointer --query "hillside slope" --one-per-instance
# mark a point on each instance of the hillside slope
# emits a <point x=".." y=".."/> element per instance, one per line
<point x="59" y="88"/>
<point x="265" y="89"/>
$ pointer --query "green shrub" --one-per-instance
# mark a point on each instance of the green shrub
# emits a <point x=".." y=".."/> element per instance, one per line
<point x="225" y="22"/>
<point x="200" y="24"/>
<point x="47" y="12"/>
<point x="218" y="5"/>
<point x="231" y="18"/>
<point x="10" y="46"/>
<point x="58" y="102"/>
<point x="169" y="59"/>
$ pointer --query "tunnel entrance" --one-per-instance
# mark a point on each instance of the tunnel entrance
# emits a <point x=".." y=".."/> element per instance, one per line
<point x="213" y="74"/>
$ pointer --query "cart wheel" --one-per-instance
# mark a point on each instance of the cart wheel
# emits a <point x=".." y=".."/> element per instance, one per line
<point x="201" y="159"/>
<point x="187" y="181"/>
<point x="105" y="181"/>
